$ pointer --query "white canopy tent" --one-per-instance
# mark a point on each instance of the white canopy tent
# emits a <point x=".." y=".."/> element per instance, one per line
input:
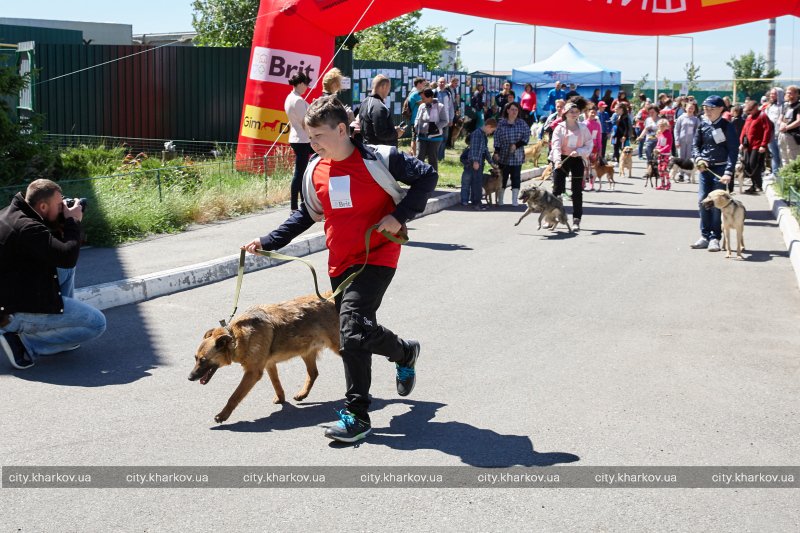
<point x="569" y="65"/>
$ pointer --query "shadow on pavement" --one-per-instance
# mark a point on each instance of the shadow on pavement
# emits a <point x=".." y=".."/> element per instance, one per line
<point x="123" y="354"/>
<point x="612" y="232"/>
<point x="611" y="203"/>
<point x="553" y="236"/>
<point x="415" y="430"/>
<point x="625" y="212"/>
<point x="438" y="246"/>
<point x="761" y="256"/>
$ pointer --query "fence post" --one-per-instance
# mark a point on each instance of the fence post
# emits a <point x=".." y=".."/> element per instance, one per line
<point x="158" y="180"/>
<point x="266" y="175"/>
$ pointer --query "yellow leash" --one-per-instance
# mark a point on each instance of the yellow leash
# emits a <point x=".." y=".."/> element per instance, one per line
<point x="401" y="239"/>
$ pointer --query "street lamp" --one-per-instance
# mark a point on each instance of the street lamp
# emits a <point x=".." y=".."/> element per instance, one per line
<point x="494" y="43"/>
<point x="458" y="45"/>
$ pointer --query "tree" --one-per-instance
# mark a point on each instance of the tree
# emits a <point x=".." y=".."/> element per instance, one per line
<point x="692" y="75"/>
<point x="401" y="39"/>
<point x="225" y="23"/>
<point x="751" y="66"/>
<point x="24" y="155"/>
<point x="639" y="86"/>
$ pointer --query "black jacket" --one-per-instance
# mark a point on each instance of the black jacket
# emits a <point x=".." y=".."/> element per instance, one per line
<point x="377" y="126"/>
<point x="29" y="255"/>
<point x="421" y="178"/>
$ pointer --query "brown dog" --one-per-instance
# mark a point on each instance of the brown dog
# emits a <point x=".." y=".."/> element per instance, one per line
<point x="455" y="130"/>
<point x="733" y="215"/>
<point x="546" y="173"/>
<point x="604" y="170"/>
<point x="265" y="335"/>
<point x="626" y="162"/>
<point x="491" y="184"/>
<point x="533" y="152"/>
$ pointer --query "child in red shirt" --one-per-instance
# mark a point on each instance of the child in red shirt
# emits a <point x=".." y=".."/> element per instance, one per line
<point x="352" y="187"/>
<point x="664" y="151"/>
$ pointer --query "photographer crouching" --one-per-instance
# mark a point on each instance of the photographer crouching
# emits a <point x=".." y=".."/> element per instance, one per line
<point x="38" y="313"/>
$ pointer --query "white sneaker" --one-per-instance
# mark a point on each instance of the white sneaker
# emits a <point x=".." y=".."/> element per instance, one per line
<point x="713" y="245"/>
<point x="576" y="224"/>
<point x="701" y="243"/>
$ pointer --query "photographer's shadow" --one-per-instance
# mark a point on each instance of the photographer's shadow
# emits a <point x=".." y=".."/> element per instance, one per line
<point x="123" y="354"/>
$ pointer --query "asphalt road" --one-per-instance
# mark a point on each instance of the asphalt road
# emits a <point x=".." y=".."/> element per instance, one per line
<point x="618" y="345"/>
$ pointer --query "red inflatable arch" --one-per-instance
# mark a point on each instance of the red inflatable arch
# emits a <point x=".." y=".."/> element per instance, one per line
<point x="298" y="35"/>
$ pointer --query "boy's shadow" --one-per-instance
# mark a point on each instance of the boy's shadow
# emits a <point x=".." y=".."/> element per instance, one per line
<point x="417" y="430"/>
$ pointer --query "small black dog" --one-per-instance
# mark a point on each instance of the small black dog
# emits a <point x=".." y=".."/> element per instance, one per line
<point x="651" y="173"/>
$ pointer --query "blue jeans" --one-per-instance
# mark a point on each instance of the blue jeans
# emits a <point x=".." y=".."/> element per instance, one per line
<point x="649" y="146"/>
<point x="46" y="334"/>
<point x="472" y="185"/>
<point x="775" y="152"/>
<point x="710" y="219"/>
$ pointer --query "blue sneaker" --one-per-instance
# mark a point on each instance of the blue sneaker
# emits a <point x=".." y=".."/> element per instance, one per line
<point x="348" y="428"/>
<point x="15" y="351"/>
<point x="406" y="374"/>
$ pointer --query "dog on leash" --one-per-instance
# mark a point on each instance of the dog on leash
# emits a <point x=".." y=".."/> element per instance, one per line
<point x="651" y="174"/>
<point x="491" y="185"/>
<point x="550" y="207"/>
<point x="601" y="170"/>
<point x="263" y="336"/>
<point x="682" y="166"/>
<point x="733" y="215"/>
<point x="455" y="130"/>
<point x="534" y="151"/>
<point x="738" y="174"/>
<point x="626" y="162"/>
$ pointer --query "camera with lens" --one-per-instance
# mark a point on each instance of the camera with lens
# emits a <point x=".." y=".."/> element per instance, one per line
<point x="71" y="202"/>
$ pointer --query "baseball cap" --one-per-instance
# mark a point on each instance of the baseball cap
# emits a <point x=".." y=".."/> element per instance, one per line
<point x="713" y="101"/>
<point x="601" y="104"/>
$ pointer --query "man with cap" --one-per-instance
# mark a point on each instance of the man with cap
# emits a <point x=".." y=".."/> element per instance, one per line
<point x="714" y="150"/>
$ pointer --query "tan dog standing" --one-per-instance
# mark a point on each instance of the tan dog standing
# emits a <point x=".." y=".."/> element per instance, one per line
<point x="534" y="151"/>
<point x="265" y="335"/>
<point x="626" y="162"/>
<point x="733" y="215"/>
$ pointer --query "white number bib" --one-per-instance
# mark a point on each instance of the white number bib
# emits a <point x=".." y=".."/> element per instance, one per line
<point x="572" y="141"/>
<point x="339" y="192"/>
<point x="719" y="136"/>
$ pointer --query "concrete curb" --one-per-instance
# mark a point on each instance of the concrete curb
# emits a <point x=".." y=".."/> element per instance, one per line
<point x="142" y="288"/>
<point x="788" y="225"/>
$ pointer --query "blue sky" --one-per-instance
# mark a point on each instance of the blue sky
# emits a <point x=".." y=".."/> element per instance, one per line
<point x="633" y="55"/>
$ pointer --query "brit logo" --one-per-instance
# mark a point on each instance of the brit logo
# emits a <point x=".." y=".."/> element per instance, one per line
<point x="277" y="66"/>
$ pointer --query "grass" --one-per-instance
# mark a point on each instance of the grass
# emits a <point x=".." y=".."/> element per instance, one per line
<point x="788" y="186"/>
<point x="150" y="197"/>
